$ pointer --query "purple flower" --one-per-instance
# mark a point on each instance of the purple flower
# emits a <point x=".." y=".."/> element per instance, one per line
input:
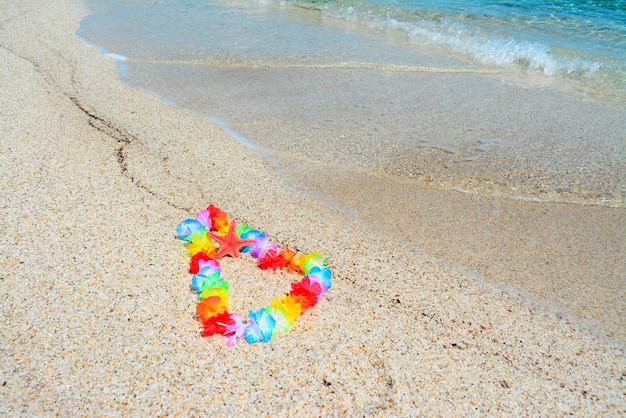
<point x="204" y="217"/>
<point x="236" y="330"/>
<point x="262" y="246"/>
<point x="250" y="234"/>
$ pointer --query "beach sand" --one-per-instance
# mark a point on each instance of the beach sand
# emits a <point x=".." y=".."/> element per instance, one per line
<point x="98" y="317"/>
<point x="519" y="179"/>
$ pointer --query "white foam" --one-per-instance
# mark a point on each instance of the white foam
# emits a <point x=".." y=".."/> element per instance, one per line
<point x="113" y="55"/>
<point x="503" y="51"/>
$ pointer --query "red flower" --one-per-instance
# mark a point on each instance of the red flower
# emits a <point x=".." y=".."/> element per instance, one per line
<point x="217" y="324"/>
<point x="219" y="217"/>
<point x="193" y="263"/>
<point x="305" y="293"/>
<point x="308" y="286"/>
<point x="271" y="260"/>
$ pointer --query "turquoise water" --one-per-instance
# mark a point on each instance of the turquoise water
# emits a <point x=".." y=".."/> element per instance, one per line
<point x="575" y="39"/>
<point x="555" y="38"/>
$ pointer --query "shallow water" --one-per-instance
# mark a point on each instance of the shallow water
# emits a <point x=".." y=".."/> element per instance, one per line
<point x="296" y="81"/>
<point x="580" y="39"/>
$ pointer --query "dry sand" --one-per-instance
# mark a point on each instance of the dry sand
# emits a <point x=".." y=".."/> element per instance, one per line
<point x="98" y="317"/>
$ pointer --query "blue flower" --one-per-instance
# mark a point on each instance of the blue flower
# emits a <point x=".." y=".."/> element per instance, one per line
<point x="187" y="228"/>
<point x="260" y="326"/>
<point x="208" y="277"/>
<point x="321" y="275"/>
<point x="250" y="234"/>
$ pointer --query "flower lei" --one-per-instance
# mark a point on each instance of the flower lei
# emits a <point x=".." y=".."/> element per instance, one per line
<point x="210" y="237"/>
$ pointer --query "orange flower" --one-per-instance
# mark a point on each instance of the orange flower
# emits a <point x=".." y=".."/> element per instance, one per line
<point x="287" y="255"/>
<point x="214" y="302"/>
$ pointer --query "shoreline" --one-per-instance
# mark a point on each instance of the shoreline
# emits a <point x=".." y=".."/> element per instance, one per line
<point x="431" y="118"/>
<point x="98" y="318"/>
<point x="437" y="129"/>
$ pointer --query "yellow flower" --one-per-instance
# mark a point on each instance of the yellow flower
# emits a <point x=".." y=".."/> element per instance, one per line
<point x="220" y="292"/>
<point x="289" y="306"/>
<point x="298" y="261"/>
<point x="223" y="231"/>
<point x="200" y="243"/>
<point x="313" y="260"/>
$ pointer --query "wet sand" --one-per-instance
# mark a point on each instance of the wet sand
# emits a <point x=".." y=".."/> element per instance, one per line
<point x="567" y="258"/>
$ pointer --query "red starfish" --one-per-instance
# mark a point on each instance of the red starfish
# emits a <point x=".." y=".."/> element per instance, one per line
<point x="230" y="244"/>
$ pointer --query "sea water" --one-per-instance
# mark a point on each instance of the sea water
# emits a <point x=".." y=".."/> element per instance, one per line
<point x="567" y="38"/>
<point x="463" y="95"/>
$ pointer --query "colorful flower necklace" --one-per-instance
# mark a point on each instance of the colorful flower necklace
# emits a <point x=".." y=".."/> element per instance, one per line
<point x="211" y="237"/>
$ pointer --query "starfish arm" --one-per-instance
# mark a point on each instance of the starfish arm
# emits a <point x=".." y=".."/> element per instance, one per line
<point x="229" y="244"/>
